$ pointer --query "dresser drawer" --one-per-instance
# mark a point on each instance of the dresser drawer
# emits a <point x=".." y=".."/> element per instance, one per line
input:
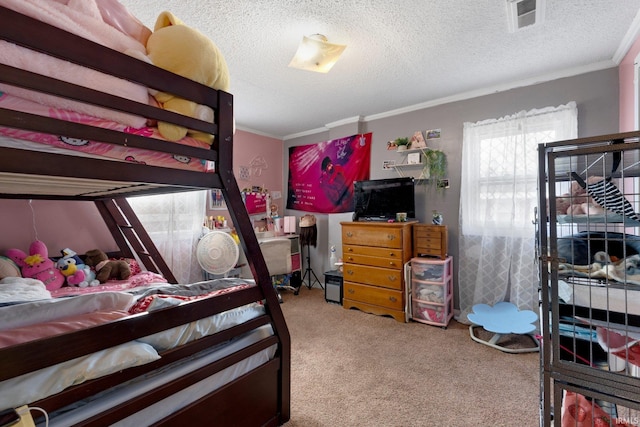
<point x="433" y="244"/>
<point x="394" y="263"/>
<point x="377" y="257"/>
<point x="427" y="231"/>
<point x="372" y="251"/>
<point x="381" y="297"/>
<point x="378" y="236"/>
<point x="376" y="276"/>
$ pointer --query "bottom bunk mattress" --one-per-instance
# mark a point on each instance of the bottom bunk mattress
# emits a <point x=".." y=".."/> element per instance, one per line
<point x="160" y="410"/>
<point x="22" y="322"/>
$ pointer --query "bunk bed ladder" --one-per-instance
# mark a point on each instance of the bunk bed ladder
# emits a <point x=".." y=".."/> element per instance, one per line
<point x="131" y="237"/>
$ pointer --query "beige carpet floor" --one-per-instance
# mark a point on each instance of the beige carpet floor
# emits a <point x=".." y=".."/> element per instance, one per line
<point x="350" y="368"/>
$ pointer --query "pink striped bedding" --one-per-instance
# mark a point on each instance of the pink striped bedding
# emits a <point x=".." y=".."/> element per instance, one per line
<point x="115" y="152"/>
<point x="144" y="278"/>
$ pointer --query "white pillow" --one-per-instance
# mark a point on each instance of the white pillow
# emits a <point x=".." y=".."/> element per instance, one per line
<point x="45" y="382"/>
<point x="22" y="289"/>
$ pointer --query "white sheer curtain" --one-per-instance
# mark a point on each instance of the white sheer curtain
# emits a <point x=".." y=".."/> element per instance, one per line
<point x="174" y="223"/>
<point x="498" y="194"/>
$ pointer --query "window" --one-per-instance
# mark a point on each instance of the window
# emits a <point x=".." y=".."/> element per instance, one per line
<point x="500" y="168"/>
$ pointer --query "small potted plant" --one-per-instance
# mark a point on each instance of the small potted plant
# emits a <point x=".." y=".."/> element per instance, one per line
<point x="402" y="143"/>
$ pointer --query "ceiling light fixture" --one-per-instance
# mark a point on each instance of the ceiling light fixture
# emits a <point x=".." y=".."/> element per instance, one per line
<point x="315" y="53"/>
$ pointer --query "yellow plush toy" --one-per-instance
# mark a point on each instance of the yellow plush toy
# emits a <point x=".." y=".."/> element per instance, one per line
<point x="183" y="50"/>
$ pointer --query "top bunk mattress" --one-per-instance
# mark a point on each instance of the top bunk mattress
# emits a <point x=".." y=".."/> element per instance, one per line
<point x="124" y="94"/>
<point x="63" y="144"/>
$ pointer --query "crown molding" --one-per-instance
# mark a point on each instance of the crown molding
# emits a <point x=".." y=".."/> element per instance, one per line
<point x="347" y="121"/>
<point x="257" y="132"/>
<point x="568" y="72"/>
<point x="494" y="89"/>
<point x="627" y="41"/>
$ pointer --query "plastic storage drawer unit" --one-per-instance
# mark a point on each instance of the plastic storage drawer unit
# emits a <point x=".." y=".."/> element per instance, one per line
<point x="432" y="290"/>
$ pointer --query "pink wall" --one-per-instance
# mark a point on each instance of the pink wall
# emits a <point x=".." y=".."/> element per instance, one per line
<point x="627" y="89"/>
<point x="59" y="225"/>
<point x="263" y="158"/>
<point x="77" y="225"/>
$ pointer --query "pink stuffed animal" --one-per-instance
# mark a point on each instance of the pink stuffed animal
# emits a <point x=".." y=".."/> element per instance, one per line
<point x="37" y="265"/>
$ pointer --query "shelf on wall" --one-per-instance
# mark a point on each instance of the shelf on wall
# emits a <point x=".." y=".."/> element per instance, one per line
<point x="424" y="172"/>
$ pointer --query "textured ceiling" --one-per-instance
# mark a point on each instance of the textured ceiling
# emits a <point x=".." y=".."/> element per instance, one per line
<point x="399" y="53"/>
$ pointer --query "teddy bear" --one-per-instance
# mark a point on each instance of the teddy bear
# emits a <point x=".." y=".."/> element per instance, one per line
<point x="105" y="268"/>
<point x="185" y="51"/>
<point x="76" y="272"/>
<point x="37" y="265"/>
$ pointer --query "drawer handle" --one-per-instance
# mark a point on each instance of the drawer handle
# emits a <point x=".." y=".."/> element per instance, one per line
<point x="350" y="258"/>
<point x="350" y="250"/>
<point x="350" y="272"/>
<point x="392" y="263"/>
<point x="349" y="234"/>
<point x="392" y="278"/>
<point x="393" y="299"/>
<point x="351" y="291"/>
<point x="392" y="254"/>
<point x="391" y="237"/>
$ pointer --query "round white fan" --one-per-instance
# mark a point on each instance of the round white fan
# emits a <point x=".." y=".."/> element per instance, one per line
<point x="217" y="252"/>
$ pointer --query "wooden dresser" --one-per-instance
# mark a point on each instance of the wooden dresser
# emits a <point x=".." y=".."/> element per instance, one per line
<point x="374" y="254"/>
<point x="430" y="240"/>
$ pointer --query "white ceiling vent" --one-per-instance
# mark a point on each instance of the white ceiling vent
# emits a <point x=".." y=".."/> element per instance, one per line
<point x="524" y="13"/>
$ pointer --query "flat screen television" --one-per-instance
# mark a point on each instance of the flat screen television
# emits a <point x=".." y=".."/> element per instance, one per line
<point x="381" y="199"/>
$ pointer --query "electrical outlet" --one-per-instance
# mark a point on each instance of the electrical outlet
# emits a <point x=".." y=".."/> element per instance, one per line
<point x="275" y="195"/>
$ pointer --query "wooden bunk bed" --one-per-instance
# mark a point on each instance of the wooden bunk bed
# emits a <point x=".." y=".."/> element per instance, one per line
<point x="259" y="396"/>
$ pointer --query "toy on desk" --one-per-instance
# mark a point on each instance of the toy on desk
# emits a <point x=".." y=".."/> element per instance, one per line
<point x="273" y="210"/>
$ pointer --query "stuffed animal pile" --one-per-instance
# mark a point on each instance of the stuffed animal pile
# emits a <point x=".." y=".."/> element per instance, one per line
<point x="68" y="270"/>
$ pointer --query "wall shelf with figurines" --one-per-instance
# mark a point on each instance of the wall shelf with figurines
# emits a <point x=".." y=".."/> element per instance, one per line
<point x="429" y="165"/>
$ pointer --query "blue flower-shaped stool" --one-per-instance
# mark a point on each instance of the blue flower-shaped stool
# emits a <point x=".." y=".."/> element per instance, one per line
<point x="501" y="319"/>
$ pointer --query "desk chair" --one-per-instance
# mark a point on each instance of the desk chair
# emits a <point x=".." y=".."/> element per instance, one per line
<point x="277" y="256"/>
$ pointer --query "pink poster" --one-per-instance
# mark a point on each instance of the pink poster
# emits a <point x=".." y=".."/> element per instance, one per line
<point x="256" y="202"/>
<point x="321" y="175"/>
